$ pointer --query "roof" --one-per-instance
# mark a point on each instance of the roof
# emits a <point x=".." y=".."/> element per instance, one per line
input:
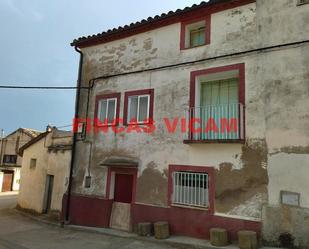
<point x="56" y="134"/>
<point x="30" y="132"/>
<point x="150" y="23"/>
<point x="31" y="142"/>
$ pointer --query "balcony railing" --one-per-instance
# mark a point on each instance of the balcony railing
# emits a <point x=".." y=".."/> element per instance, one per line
<point x="224" y="122"/>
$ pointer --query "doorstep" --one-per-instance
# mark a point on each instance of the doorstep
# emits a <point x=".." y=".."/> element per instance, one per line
<point x="179" y="241"/>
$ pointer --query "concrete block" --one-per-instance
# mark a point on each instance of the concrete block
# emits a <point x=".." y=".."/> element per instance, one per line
<point x="218" y="237"/>
<point x="161" y="230"/>
<point x="144" y="229"/>
<point x="247" y="240"/>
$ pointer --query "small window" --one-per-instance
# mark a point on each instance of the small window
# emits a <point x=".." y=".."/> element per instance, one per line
<point x="138" y="110"/>
<point x="9" y="159"/>
<point x="190" y="189"/>
<point x="195" y="33"/>
<point x="107" y="109"/>
<point x="32" y="163"/>
<point x="197" y="37"/>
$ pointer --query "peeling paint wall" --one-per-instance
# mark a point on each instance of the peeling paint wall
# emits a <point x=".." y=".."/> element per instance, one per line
<point x="276" y="96"/>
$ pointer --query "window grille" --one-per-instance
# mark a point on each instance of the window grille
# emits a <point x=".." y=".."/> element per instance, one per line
<point x="190" y="189"/>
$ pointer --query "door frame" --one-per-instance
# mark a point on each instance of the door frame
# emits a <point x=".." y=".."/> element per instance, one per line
<point x="12" y="173"/>
<point x="48" y="193"/>
<point x="120" y="170"/>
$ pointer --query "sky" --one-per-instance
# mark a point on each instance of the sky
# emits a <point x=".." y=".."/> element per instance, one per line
<point x="35" y="50"/>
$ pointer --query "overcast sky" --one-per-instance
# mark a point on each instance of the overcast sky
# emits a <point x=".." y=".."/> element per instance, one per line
<point x="35" y="50"/>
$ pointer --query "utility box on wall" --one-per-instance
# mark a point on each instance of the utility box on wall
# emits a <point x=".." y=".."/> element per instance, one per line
<point x="290" y="198"/>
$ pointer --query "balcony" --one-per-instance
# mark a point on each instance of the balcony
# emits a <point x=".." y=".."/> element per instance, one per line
<point x="222" y="123"/>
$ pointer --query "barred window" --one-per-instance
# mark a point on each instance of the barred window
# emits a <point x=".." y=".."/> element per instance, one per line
<point x="191" y="189"/>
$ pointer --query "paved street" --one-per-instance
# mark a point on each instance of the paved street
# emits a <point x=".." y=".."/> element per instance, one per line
<point x="20" y="232"/>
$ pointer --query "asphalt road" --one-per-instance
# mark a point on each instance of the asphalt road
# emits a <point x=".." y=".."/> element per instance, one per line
<point x="21" y="232"/>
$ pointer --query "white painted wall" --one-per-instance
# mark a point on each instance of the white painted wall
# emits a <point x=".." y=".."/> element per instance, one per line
<point x="288" y="172"/>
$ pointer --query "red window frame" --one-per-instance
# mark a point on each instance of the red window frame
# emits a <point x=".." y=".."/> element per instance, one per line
<point x="242" y="81"/>
<point x="185" y="23"/>
<point x="197" y="169"/>
<point x="241" y="69"/>
<point x="150" y="92"/>
<point x="107" y="96"/>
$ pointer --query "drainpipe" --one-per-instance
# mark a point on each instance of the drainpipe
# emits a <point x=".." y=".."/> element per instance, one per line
<point x="1" y="151"/>
<point x="76" y="116"/>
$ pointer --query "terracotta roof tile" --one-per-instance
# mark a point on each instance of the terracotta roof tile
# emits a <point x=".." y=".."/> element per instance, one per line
<point x="83" y="39"/>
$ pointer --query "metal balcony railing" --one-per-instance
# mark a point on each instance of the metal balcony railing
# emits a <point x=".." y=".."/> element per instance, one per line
<point x="224" y="122"/>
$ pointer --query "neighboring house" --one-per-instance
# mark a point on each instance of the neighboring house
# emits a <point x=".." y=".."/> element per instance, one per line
<point x="240" y="68"/>
<point x="10" y="161"/>
<point x="44" y="173"/>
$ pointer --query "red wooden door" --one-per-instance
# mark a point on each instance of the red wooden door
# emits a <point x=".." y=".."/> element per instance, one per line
<point x="123" y="188"/>
<point x="7" y="181"/>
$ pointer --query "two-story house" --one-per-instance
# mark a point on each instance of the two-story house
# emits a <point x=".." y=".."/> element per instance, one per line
<point x="10" y="161"/>
<point x="198" y="117"/>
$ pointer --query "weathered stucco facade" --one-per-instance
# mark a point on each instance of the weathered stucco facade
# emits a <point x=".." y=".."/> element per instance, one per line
<point x="270" y="39"/>
<point x="51" y="152"/>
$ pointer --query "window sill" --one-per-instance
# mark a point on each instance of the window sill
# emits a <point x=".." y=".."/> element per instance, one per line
<point x="190" y="207"/>
<point x="108" y="125"/>
<point x="188" y="48"/>
<point x="142" y="124"/>
<point x="218" y="141"/>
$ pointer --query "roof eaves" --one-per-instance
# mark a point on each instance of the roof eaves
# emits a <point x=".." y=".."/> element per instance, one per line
<point x="132" y="26"/>
<point x="31" y="142"/>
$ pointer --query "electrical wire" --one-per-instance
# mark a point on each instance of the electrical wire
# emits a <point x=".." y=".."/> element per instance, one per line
<point x="64" y="126"/>
<point x="42" y="87"/>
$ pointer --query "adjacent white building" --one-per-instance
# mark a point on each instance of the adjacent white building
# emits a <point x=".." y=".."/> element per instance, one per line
<point x="44" y="172"/>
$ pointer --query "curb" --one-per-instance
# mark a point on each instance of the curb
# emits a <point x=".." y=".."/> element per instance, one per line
<point x="37" y="218"/>
<point x="175" y="241"/>
<point x="172" y="241"/>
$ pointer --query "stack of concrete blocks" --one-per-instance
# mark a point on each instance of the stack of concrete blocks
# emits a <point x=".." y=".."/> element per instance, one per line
<point x="144" y="229"/>
<point x="218" y="237"/>
<point x="161" y="230"/>
<point x="247" y="240"/>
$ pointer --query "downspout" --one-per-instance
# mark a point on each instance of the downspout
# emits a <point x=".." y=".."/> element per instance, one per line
<point x="76" y="116"/>
<point x="2" y="144"/>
